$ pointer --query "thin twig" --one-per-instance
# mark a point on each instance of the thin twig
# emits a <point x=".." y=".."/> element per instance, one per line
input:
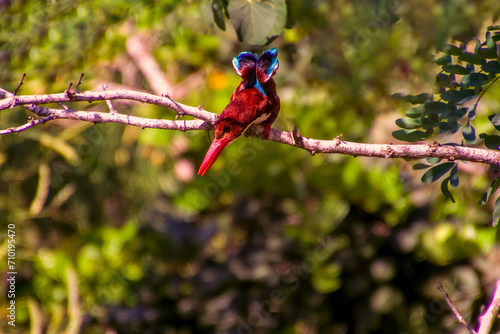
<point x="79" y="81"/>
<point x="20" y="84"/>
<point x="487" y="319"/>
<point x="454" y="310"/>
<point x="28" y="125"/>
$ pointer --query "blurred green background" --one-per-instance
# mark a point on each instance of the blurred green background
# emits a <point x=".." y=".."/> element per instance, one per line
<point x="115" y="233"/>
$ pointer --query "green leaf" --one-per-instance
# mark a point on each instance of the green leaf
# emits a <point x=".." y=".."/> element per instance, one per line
<point x="456" y="69"/>
<point x="471" y="58"/>
<point x="444" y="189"/>
<point x="454" y="176"/>
<point x="478" y="46"/>
<point x="486" y="197"/>
<point x="487" y="53"/>
<point x="452" y="50"/>
<point x="496" y="213"/>
<point x="490" y="141"/>
<point x="409" y="135"/>
<point x="456" y="114"/>
<point x="474" y="79"/>
<point x="433" y="160"/>
<point x="408" y="123"/>
<point x="444" y="60"/>
<point x="458" y="96"/>
<point x="419" y="166"/>
<point x="490" y="43"/>
<point x="217" y="10"/>
<point x="414" y="99"/>
<point x="469" y="133"/>
<point x="415" y="112"/>
<point x="495" y="120"/>
<point x="497" y="27"/>
<point x="256" y="22"/>
<point x="445" y="80"/>
<point x="436" y="172"/>
<point x="491" y="66"/>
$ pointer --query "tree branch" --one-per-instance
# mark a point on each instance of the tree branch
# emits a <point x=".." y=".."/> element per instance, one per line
<point x="454" y="310"/>
<point x="205" y="121"/>
<point x="487" y="319"/>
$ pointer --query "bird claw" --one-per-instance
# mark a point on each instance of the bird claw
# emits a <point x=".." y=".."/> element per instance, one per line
<point x="267" y="130"/>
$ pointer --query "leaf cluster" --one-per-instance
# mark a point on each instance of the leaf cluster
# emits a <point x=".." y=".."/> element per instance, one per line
<point x="465" y="76"/>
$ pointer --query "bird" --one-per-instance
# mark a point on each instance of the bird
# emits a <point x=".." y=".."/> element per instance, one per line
<point x="254" y="101"/>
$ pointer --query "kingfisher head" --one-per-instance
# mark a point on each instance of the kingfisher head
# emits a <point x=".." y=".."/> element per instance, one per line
<point x="267" y="65"/>
<point x="226" y="130"/>
<point x="244" y="65"/>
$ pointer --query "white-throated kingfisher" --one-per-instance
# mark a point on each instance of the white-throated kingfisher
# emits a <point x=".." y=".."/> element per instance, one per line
<point x="253" y="102"/>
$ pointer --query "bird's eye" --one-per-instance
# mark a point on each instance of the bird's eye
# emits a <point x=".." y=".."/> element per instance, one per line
<point x="227" y="128"/>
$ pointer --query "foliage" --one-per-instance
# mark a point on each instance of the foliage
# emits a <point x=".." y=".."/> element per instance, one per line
<point x="442" y="117"/>
<point x="272" y="239"/>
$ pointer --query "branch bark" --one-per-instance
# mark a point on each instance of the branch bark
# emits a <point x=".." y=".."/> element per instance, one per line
<point x="487" y="319"/>
<point x="204" y="120"/>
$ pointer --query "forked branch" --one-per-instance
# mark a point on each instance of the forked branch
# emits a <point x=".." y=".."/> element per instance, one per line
<point x="204" y="120"/>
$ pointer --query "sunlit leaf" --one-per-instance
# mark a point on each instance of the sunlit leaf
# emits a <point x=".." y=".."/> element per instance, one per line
<point x="495" y="120"/>
<point x="444" y="189"/>
<point x="256" y="21"/>
<point x="490" y="43"/>
<point x="415" y="112"/>
<point x="408" y="123"/>
<point x="486" y="197"/>
<point x="436" y="172"/>
<point x="433" y="160"/>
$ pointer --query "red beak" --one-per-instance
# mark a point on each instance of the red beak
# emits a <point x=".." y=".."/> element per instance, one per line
<point x="213" y="153"/>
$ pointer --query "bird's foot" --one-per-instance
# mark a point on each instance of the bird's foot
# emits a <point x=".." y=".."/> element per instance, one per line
<point x="267" y="130"/>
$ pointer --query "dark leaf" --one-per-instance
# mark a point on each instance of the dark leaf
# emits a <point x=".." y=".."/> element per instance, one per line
<point x="436" y="172"/>
<point x="408" y="123"/>
<point x="409" y="135"/>
<point x="474" y="79"/>
<point x="497" y="27"/>
<point x="217" y="10"/>
<point x="456" y="69"/>
<point x="452" y="50"/>
<point x="471" y="58"/>
<point x="495" y="120"/>
<point x="458" y="96"/>
<point x="444" y="80"/>
<point x="444" y="60"/>
<point x="469" y="133"/>
<point x="456" y="114"/>
<point x="486" y="197"/>
<point x="487" y="53"/>
<point x="414" y="99"/>
<point x="491" y="66"/>
<point x="419" y="166"/>
<point x="444" y="189"/>
<point x="491" y="141"/>
<point x="454" y="177"/>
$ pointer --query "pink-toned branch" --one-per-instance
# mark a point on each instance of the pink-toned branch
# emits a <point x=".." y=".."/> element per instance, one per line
<point x="205" y="120"/>
<point x="487" y="319"/>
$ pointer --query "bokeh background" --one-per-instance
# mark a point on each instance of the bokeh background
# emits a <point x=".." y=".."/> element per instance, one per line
<point x="115" y="233"/>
